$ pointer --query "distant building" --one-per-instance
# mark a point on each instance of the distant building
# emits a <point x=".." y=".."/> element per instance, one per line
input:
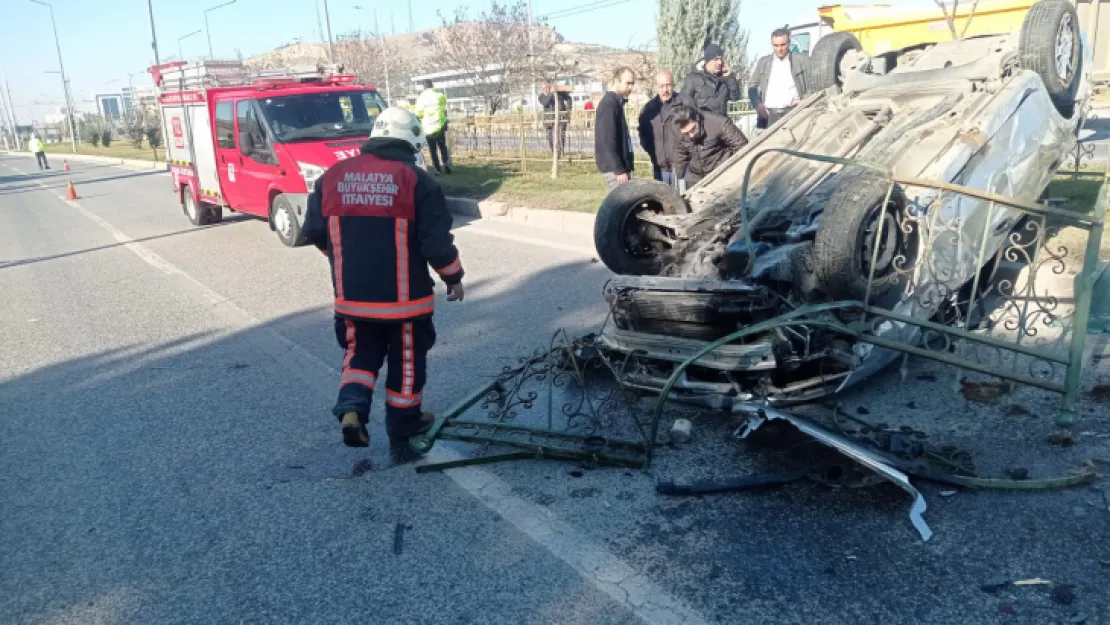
<point x="110" y="106"/>
<point x="462" y="89"/>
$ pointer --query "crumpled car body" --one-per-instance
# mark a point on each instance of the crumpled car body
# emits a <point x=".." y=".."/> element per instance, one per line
<point x="967" y="112"/>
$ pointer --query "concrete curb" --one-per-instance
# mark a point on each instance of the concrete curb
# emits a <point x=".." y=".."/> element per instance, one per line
<point x="108" y="160"/>
<point x="563" y="221"/>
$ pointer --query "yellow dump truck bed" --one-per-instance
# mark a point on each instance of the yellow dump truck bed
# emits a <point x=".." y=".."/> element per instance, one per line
<point x="880" y="28"/>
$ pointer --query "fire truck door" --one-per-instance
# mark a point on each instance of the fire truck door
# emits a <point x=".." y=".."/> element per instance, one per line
<point x="228" y="159"/>
<point x="256" y="167"/>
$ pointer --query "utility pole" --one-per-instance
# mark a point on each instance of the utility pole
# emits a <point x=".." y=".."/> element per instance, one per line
<point x="385" y="59"/>
<point x="327" y="23"/>
<point x="532" y="61"/>
<point x="411" y="27"/>
<point x="207" y="31"/>
<point x="153" y="35"/>
<point x="11" y="113"/>
<point x="62" y="69"/>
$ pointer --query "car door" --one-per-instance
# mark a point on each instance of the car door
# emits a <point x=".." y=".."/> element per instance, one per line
<point x="257" y="165"/>
<point x="228" y="159"/>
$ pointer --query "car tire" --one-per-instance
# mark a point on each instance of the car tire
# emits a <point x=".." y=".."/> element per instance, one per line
<point x="1051" y="47"/>
<point x="283" y="218"/>
<point x="199" y="213"/>
<point x="843" y="248"/>
<point x="617" y="237"/>
<point x="826" y="57"/>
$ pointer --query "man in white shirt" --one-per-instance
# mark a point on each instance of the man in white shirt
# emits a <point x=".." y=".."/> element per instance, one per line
<point x="779" y="80"/>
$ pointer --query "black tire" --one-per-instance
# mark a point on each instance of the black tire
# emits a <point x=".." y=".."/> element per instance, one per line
<point x="1044" y="35"/>
<point x="825" y="59"/>
<point x="199" y="213"/>
<point x="845" y="239"/>
<point x="283" y="219"/>
<point x="619" y="236"/>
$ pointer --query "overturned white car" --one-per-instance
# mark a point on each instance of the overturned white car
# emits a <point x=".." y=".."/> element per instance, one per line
<point x="777" y="228"/>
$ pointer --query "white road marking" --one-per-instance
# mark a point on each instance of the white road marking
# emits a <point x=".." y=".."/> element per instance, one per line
<point x="566" y="247"/>
<point x="630" y="588"/>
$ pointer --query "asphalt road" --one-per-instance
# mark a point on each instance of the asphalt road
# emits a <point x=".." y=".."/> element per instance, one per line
<point x="167" y="456"/>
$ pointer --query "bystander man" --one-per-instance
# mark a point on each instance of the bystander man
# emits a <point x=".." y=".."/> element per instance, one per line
<point x="712" y="86"/>
<point x="657" y="134"/>
<point x="552" y="94"/>
<point x="612" y="140"/>
<point x="706" y="140"/>
<point x="779" y="81"/>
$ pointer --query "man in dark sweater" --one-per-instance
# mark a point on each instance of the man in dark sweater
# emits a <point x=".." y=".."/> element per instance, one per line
<point x="612" y="140"/>
<point x="706" y="140"/>
<point x="657" y="134"/>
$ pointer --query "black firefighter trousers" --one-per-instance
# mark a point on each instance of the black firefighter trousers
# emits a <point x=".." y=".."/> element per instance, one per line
<point x="403" y="348"/>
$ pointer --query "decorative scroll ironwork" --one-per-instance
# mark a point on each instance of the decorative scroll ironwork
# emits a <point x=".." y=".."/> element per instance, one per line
<point x="1084" y="153"/>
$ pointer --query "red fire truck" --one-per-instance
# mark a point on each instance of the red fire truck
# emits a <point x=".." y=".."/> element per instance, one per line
<point x="256" y="141"/>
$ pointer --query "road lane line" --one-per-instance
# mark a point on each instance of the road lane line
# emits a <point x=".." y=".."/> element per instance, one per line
<point x="630" y="588"/>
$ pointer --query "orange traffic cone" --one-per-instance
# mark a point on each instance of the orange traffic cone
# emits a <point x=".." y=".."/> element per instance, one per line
<point x="65" y="165"/>
<point x="71" y="194"/>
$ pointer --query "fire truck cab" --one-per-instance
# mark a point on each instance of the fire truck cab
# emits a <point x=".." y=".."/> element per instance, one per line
<point x="256" y="141"/>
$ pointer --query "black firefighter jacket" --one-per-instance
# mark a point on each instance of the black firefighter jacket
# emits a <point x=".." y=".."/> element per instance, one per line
<point x="716" y="142"/>
<point x="381" y="221"/>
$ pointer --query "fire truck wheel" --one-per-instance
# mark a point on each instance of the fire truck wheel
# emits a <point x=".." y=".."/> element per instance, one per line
<point x="200" y="213"/>
<point x="283" y="219"/>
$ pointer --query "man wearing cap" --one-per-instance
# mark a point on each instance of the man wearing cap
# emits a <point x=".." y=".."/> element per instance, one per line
<point x="711" y="86"/>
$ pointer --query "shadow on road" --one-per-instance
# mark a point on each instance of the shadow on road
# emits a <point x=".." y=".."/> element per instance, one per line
<point x="75" y="176"/>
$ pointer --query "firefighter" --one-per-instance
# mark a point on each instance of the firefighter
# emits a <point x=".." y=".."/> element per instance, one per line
<point x="382" y="221"/>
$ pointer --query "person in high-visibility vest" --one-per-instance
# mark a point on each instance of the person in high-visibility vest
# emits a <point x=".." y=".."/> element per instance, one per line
<point x="36" y="147"/>
<point x="431" y="108"/>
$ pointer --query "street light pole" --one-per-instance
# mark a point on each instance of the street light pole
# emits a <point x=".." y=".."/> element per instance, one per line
<point x="62" y="69"/>
<point x="327" y="24"/>
<point x="180" y="54"/>
<point x="153" y="35"/>
<point x="206" y="29"/>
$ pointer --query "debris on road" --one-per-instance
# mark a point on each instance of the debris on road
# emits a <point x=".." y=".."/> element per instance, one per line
<point x="1033" y="582"/>
<point x="681" y="431"/>
<point x="985" y="392"/>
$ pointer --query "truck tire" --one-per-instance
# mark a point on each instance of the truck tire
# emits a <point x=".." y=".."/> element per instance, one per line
<point x="845" y="238"/>
<point x="826" y="57"/>
<point x="623" y="242"/>
<point x="283" y="219"/>
<point x="199" y="213"/>
<point x="1050" y="46"/>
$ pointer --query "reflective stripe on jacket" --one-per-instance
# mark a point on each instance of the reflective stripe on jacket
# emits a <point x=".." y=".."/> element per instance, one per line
<point x="382" y="222"/>
<point x="431" y="108"/>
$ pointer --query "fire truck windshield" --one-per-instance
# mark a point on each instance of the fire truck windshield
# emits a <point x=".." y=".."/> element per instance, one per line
<point x="326" y="115"/>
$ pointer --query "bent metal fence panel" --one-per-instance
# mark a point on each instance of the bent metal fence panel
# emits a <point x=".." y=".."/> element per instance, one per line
<point x="990" y="284"/>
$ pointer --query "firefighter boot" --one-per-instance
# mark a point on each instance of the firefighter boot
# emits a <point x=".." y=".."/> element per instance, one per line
<point x="354" y="431"/>
<point x="400" y="452"/>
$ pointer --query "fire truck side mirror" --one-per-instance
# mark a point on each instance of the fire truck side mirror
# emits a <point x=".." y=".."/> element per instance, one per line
<point x="246" y="144"/>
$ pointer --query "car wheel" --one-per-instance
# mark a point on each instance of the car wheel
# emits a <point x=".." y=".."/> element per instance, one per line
<point x="199" y="213"/>
<point x="284" y="219"/>
<point x="849" y="234"/>
<point x="626" y="244"/>
<point x="1051" y="47"/>
<point x="826" y="57"/>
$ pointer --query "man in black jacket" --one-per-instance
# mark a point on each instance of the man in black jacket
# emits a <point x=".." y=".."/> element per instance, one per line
<point x="612" y="140"/>
<point x="705" y="141"/>
<point x="551" y="95"/>
<point x="382" y="221"/>
<point x="657" y="135"/>
<point x="712" y="86"/>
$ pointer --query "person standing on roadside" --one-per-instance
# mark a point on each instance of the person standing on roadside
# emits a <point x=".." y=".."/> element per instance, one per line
<point x="657" y="135"/>
<point x="36" y="147"/>
<point x="612" y="139"/>
<point x="431" y="108"/>
<point x="712" y="86"/>
<point x="552" y="94"/>
<point x="779" y="81"/>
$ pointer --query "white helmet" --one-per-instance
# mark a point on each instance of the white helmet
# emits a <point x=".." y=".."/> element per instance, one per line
<point x="398" y="123"/>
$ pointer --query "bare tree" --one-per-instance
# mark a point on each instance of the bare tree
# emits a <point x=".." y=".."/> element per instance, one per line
<point x="492" y="50"/>
<point x="375" y="60"/>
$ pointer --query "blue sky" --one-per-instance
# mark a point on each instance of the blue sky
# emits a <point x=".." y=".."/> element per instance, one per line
<point x="105" y="40"/>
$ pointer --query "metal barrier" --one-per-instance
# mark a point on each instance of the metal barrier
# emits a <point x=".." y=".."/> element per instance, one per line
<point x="528" y="138"/>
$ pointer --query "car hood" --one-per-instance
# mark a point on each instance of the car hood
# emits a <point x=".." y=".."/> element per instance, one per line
<point x="324" y="153"/>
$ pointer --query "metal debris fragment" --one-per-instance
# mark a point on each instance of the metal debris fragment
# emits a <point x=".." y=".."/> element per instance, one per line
<point x="1033" y="582"/>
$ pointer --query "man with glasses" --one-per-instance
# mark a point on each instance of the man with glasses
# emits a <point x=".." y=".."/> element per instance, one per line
<point x="657" y="135"/>
<point x="705" y="141"/>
